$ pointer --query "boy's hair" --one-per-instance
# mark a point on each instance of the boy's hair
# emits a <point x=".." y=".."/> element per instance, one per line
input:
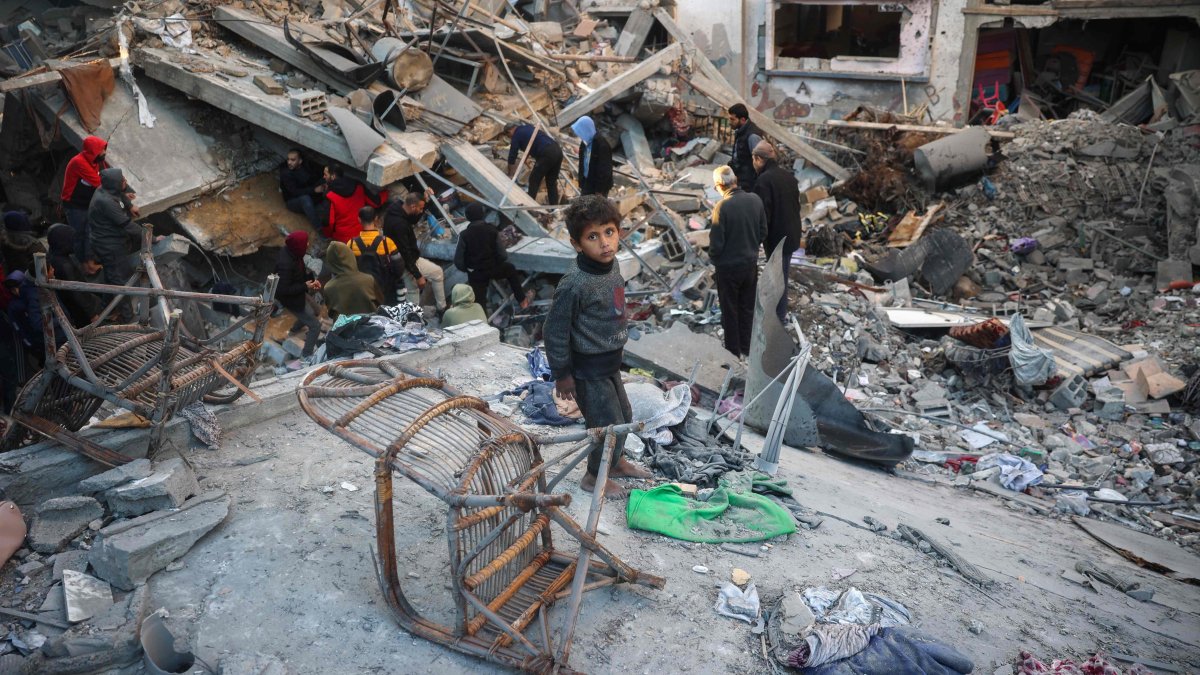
<point x="590" y="210"/>
<point x="366" y="215"/>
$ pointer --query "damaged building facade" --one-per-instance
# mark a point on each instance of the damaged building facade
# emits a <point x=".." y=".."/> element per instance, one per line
<point x="804" y="62"/>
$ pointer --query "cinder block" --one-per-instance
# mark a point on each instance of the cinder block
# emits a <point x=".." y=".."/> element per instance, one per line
<point x="1070" y="394"/>
<point x="305" y="103"/>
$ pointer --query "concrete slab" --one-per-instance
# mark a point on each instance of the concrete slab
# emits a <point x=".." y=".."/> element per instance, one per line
<point x="242" y="220"/>
<point x="85" y="595"/>
<point x="676" y="351"/>
<point x="57" y="521"/>
<point x="166" y="165"/>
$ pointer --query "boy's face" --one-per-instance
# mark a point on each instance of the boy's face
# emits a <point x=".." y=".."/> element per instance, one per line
<point x="599" y="242"/>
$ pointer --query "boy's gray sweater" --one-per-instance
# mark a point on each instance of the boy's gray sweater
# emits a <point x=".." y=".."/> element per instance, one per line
<point x="585" y="329"/>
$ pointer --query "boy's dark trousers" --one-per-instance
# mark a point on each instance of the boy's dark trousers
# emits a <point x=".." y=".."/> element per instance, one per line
<point x="603" y="402"/>
<point x="736" y="286"/>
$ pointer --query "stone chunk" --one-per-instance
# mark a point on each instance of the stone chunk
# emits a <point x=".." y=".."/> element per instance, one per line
<point x="171" y="483"/>
<point x="269" y="85"/>
<point x="57" y="521"/>
<point x="127" y="553"/>
<point x="85" y="596"/>
<point x="76" y="561"/>
<point x="138" y="468"/>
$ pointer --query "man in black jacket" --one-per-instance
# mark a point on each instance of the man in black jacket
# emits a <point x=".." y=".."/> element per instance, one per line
<point x="746" y="137"/>
<point x="739" y="226"/>
<point x="481" y="256"/>
<point x="595" y="159"/>
<point x="301" y="187"/>
<point x="780" y="194"/>
<point x="399" y="225"/>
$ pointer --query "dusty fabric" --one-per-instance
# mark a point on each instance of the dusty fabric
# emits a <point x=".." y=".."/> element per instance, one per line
<point x="1097" y="665"/>
<point x="695" y="457"/>
<point x="899" y="651"/>
<point x="732" y="514"/>
<point x="89" y="86"/>
<point x="205" y="426"/>
<point x="831" y="642"/>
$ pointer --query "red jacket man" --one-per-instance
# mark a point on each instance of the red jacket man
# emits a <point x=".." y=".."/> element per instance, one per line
<point x="346" y="196"/>
<point x="80" y="181"/>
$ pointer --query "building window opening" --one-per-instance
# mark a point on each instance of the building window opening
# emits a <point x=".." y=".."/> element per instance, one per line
<point x="832" y="31"/>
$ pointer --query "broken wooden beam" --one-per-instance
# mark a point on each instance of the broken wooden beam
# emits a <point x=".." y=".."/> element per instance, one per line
<point x="618" y="85"/>
<point x="633" y="35"/>
<point x="713" y="84"/>
<point x="492" y="183"/>
<point x="23" y="81"/>
<point x="854" y="124"/>
<point x="239" y="97"/>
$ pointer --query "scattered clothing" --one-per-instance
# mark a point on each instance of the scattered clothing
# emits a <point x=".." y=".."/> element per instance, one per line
<point x="896" y="651"/>
<point x="539" y="406"/>
<point x="695" y="456"/>
<point x="539" y="367"/>
<point x="463" y="307"/>
<point x="349" y="291"/>
<point x="1096" y="665"/>
<point x="1016" y="473"/>
<point x="88" y="86"/>
<point x="595" y="158"/>
<point x="831" y="642"/>
<point x="735" y="603"/>
<point x="733" y="513"/>
<point x="852" y="606"/>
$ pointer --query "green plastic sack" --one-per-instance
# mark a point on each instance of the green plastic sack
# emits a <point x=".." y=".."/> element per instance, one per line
<point x="729" y="515"/>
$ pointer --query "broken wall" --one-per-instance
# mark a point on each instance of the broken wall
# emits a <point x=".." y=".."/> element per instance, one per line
<point x="813" y="90"/>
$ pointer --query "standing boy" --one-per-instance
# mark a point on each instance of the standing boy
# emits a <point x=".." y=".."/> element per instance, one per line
<point x="586" y="332"/>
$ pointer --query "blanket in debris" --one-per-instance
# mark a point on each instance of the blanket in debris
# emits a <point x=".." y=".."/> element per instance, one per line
<point x="733" y="513"/>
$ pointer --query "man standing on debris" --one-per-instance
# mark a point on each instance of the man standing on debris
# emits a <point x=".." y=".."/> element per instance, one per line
<point x="300" y="187"/>
<point x="110" y="221"/>
<point x="295" y="284"/>
<point x="547" y="159"/>
<point x="746" y="138"/>
<point x="483" y="258"/>
<point x="80" y="182"/>
<point x="349" y="291"/>
<point x="346" y="196"/>
<point x="378" y="255"/>
<point x="586" y="331"/>
<point x="400" y="225"/>
<point x="595" y="159"/>
<point x="739" y="226"/>
<point x="780" y="194"/>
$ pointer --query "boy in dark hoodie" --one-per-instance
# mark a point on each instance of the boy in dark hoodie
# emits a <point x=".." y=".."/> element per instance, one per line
<point x="19" y="244"/>
<point x="82" y="307"/>
<point x="349" y="291"/>
<point x="585" y="333"/>
<point x="481" y="256"/>
<point x="295" y="283"/>
<point x="80" y="181"/>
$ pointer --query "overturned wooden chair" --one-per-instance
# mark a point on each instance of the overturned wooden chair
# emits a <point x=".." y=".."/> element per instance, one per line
<point x="152" y="367"/>
<point x="504" y="566"/>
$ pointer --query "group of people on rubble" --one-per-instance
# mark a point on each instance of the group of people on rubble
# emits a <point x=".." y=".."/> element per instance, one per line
<point x="93" y="245"/>
<point x="370" y="251"/>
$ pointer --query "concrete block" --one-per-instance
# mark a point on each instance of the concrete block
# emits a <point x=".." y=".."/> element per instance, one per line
<point x="57" y="521"/>
<point x="1110" y="403"/>
<point x="1172" y="271"/>
<point x="128" y="553"/>
<point x="1070" y="394"/>
<point x="76" y="561"/>
<point x="85" y="596"/>
<point x="138" y="468"/>
<point x="269" y="85"/>
<point x="171" y="483"/>
<point x="305" y="103"/>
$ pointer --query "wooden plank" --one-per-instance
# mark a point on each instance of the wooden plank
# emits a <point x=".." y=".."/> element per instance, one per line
<point x="492" y="183"/>
<point x="634" y="34"/>
<point x="21" y="82"/>
<point x="714" y="85"/>
<point x="618" y="85"/>
<point x="854" y="124"/>
<point x="239" y="97"/>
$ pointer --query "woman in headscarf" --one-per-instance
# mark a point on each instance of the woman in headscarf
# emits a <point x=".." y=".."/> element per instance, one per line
<point x="295" y="283"/>
<point x="595" y="158"/>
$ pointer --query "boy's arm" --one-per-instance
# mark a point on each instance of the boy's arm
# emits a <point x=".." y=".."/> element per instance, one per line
<point x="557" y="334"/>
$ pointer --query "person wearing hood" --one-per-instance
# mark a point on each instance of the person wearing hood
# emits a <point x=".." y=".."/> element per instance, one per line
<point x="110" y="219"/>
<point x="346" y="197"/>
<point x="780" y="194"/>
<point x="81" y="307"/>
<point x="463" y="307"/>
<point x="296" y="282"/>
<point x="739" y="226"/>
<point x="595" y="159"/>
<point x="80" y="182"/>
<point x="19" y="244"/>
<point x="349" y="291"/>
<point x="25" y="313"/>
<point x="483" y="258"/>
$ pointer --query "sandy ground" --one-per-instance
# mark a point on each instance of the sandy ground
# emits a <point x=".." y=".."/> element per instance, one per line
<point x="291" y="572"/>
